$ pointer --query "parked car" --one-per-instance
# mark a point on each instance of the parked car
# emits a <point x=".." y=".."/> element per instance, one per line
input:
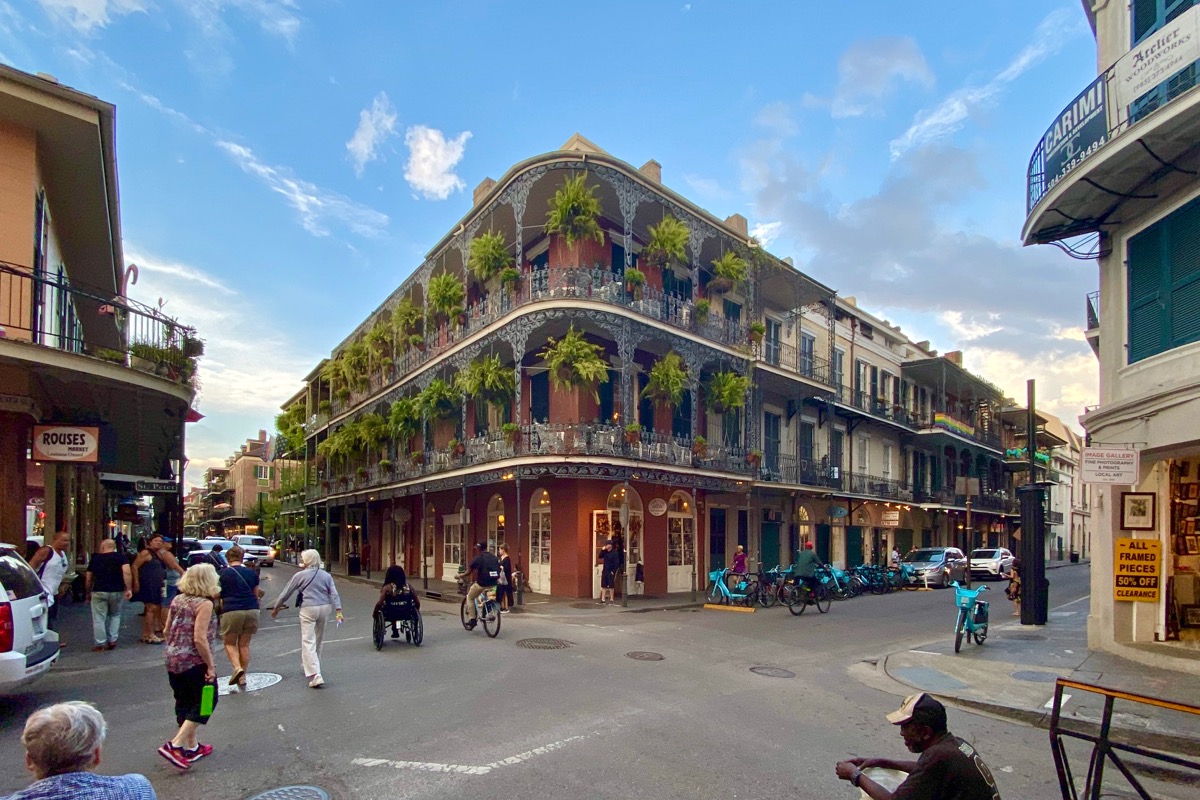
<point x="991" y="562"/>
<point x="200" y="552"/>
<point x="937" y="566"/>
<point x="258" y="551"/>
<point x="27" y="648"/>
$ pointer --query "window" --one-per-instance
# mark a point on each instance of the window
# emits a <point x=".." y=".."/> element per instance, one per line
<point x="452" y="541"/>
<point x="839" y="360"/>
<point x="539" y="529"/>
<point x="495" y="523"/>
<point x="887" y="462"/>
<point x="732" y="311"/>
<point x="771" y="441"/>
<point x="808" y="346"/>
<point x="1150" y="15"/>
<point x="771" y="351"/>
<point x="539" y="397"/>
<point x="1164" y="284"/>
<point x="262" y="472"/>
<point x="807" y="433"/>
<point x="862" y="455"/>
<point x="681" y="531"/>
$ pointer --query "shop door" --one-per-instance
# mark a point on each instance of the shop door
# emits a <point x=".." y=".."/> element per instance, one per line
<point x="904" y="540"/>
<point x="539" y="550"/>
<point x="824" y="542"/>
<point x="601" y="532"/>
<point x="681" y="550"/>
<point x="716" y="539"/>
<point x="854" y="545"/>
<point x="452" y="546"/>
<point x="430" y="551"/>
<point x="770" y="545"/>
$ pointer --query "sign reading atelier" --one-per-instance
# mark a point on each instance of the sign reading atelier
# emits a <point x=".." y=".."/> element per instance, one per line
<point x="1080" y="130"/>
<point x="1137" y="564"/>
<point x="62" y="443"/>
<point x="1163" y="53"/>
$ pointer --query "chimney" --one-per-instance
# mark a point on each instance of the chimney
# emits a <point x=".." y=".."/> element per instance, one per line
<point x="262" y="435"/>
<point x="791" y="262"/>
<point x="652" y="170"/>
<point x="923" y="345"/>
<point x="739" y="224"/>
<point x="955" y="357"/>
<point x="482" y="189"/>
<point x="851" y="301"/>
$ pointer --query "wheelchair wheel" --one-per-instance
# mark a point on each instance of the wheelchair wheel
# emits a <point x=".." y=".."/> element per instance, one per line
<point x="418" y="630"/>
<point x="378" y="628"/>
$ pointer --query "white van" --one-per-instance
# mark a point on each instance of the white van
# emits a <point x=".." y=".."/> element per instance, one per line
<point x="27" y="648"/>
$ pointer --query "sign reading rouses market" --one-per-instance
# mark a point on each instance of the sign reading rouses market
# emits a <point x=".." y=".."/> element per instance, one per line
<point x="1137" y="565"/>
<point x="65" y="443"/>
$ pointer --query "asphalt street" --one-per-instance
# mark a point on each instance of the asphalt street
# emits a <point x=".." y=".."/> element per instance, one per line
<point x="467" y="715"/>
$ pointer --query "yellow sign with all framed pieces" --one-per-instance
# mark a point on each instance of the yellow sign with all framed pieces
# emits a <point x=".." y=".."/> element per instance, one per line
<point x="1137" y="569"/>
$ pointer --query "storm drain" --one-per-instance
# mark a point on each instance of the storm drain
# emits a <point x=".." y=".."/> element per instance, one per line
<point x="293" y="793"/>
<point x="1034" y="677"/>
<point x="773" y="672"/>
<point x="644" y="655"/>
<point x="254" y="682"/>
<point x="545" y="644"/>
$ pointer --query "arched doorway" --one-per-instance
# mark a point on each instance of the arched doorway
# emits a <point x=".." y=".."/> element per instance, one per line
<point x="805" y="532"/>
<point x="495" y="523"/>
<point x="606" y="524"/>
<point x="681" y="543"/>
<point x="539" y="542"/>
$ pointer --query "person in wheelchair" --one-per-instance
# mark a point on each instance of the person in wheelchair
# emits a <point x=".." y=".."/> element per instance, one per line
<point x="395" y="597"/>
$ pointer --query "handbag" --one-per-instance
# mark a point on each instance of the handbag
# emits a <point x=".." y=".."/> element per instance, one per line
<point x="502" y="580"/>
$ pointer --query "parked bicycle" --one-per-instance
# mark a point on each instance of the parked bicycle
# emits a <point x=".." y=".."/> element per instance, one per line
<point x="972" y="615"/>
<point x="719" y="592"/>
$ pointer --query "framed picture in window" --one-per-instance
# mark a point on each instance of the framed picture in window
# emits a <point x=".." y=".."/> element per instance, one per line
<point x="1193" y="491"/>
<point x="1137" y="511"/>
<point x="1192" y="544"/>
<point x="1189" y="616"/>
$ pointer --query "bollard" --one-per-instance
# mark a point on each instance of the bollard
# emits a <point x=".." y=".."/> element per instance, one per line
<point x="520" y="587"/>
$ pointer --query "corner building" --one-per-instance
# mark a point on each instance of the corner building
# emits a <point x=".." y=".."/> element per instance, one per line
<point x="846" y="433"/>
<point x="1115" y="180"/>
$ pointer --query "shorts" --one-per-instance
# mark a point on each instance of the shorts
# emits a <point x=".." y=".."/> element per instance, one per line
<point x="239" y="623"/>
<point x="188" y="686"/>
<point x="607" y="579"/>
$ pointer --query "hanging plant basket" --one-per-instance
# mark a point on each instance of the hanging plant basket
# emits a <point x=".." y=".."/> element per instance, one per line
<point x="700" y="447"/>
<point x="720" y="285"/>
<point x="754" y="458"/>
<point x="633" y="433"/>
<point x="416" y="458"/>
<point x="460" y="449"/>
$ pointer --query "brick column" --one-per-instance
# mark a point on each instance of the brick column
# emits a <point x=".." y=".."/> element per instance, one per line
<point x="14" y="441"/>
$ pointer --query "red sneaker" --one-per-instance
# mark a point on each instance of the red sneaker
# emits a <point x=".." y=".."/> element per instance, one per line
<point x="175" y="755"/>
<point x="200" y="752"/>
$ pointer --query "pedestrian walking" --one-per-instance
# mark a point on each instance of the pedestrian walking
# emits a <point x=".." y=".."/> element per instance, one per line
<point x="172" y="577"/>
<point x="240" y="594"/>
<point x="50" y="563"/>
<point x="63" y="743"/>
<point x="191" y="635"/>
<point x="317" y="599"/>
<point x="149" y="585"/>
<point x="1013" y="592"/>
<point x="109" y="582"/>
<point x="738" y="571"/>
<point x="504" y="591"/>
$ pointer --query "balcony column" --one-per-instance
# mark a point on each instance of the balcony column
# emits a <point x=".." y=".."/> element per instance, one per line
<point x="14" y="443"/>
<point x="517" y="337"/>
<point x="697" y="233"/>
<point x="625" y="349"/>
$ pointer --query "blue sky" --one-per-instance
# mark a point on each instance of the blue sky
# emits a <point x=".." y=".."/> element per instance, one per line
<point x="285" y="164"/>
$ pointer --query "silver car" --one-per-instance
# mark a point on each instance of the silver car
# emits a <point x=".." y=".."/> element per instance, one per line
<point x="991" y="562"/>
<point x="937" y="566"/>
<point x="27" y="648"/>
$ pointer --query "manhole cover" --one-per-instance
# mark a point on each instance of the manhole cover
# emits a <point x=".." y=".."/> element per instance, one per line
<point x="545" y="644"/>
<point x="293" y="793"/>
<point x="254" y="682"/>
<point x="773" y="672"/>
<point x="642" y="655"/>
<point x="1034" y="677"/>
<point x="1026" y="637"/>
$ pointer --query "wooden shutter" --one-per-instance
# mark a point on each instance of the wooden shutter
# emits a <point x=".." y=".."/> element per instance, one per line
<point x="1145" y="279"/>
<point x="1184" y="276"/>
<point x="1145" y="18"/>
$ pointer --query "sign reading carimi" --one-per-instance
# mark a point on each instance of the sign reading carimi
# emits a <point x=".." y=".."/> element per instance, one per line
<point x="62" y="443"/>
<point x="1136" y="567"/>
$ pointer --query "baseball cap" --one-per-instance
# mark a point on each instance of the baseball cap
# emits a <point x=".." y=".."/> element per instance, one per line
<point x="919" y="705"/>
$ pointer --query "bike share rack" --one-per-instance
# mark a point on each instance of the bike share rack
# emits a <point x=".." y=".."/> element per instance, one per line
<point x="1103" y="748"/>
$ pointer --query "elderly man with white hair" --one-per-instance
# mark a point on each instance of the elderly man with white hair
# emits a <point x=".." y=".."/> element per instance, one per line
<point x="317" y="598"/>
<point x="62" y="747"/>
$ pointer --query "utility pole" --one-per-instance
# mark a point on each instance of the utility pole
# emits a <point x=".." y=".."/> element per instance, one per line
<point x="1035" y="590"/>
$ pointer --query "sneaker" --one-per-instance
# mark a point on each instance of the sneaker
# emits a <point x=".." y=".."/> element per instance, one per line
<point x="96" y="648"/>
<point x="111" y="646"/>
<point x="175" y="755"/>
<point x="317" y="682"/>
<point x="200" y="752"/>
<point x="471" y="623"/>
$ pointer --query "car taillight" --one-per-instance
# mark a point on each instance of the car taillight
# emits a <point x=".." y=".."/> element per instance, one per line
<point x="7" y="628"/>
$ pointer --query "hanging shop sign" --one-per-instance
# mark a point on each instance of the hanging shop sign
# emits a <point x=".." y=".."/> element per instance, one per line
<point x="839" y="511"/>
<point x="1137" y="565"/>
<point x="1168" y="50"/>
<point x="890" y="518"/>
<point x="1109" y="465"/>
<point x="63" y="443"/>
<point x="657" y="507"/>
<point x="1080" y="130"/>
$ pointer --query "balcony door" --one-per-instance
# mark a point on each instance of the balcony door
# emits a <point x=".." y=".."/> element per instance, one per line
<point x="539" y="542"/>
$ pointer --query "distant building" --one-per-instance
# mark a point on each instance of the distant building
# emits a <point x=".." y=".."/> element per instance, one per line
<point x="1115" y="179"/>
<point x="238" y="492"/>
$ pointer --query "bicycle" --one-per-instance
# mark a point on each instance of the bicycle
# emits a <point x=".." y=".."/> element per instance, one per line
<point x="764" y="589"/>
<point x="720" y="594"/>
<point x="801" y="597"/>
<point x="487" y="611"/>
<point x="972" y="615"/>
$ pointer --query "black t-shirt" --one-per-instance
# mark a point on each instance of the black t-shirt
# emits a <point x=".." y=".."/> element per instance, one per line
<point x="106" y="572"/>
<point x="949" y="769"/>
<point x="612" y="560"/>
<point x="237" y="589"/>
<point x="487" y="568"/>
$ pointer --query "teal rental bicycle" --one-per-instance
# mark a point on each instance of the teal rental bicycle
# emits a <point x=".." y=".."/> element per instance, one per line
<point x="972" y="615"/>
<point x="719" y="592"/>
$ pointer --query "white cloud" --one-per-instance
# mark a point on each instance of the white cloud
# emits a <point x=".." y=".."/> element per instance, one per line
<point x="706" y="188"/>
<point x="375" y="126"/>
<point x="431" y="161"/>
<point x="1065" y="381"/>
<point x="777" y="119"/>
<point x="87" y="15"/>
<point x="976" y="327"/>
<point x="949" y="116"/>
<point x="318" y="208"/>
<point x="276" y="17"/>
<point x="766" y="232"/>
<point x="870" y="69"/>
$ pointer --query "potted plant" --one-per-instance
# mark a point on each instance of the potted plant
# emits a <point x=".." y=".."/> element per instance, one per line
<point x="325" y="407"/>
<point x="145" y="356"/>
<point x="455" y="448"/>
<point x="575" y="362"/>
<point x="439" y="400"/>
<point x="700" y="447"/>
<point x="729" y="269"/>
<point x="754" y="458"/>
<point x="404" y="419"/>
<point x="575" y="212"/>
<point x="192" y="347"/>
<point x="702" y="308"/>
<point x="726" y="390"/>
<point x="446" y="295"/>
<point x="667" y="381"/>
<point x="668" y="240"/>
<point x="509" y="279"/>
<point x="343" y="479"/>
<point x="511" y="432"/>
<point x="406" y="318"/>
<point x="487" y="379"/>
<point x="361" y="472"/>
<point x="416" y="458"/>
<point x="488" y="256"/>
<point x="757" y="331"/>
<point x="635" y="279"/>
<point x="633" y="433"/>
<point x="417" y="341"/>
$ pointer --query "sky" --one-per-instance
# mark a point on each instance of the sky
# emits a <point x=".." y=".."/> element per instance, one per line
<point x="285" y="164"/>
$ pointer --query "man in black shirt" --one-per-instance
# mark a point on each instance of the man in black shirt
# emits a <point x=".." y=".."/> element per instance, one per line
<point x="109" y="582"/>
<point x="948" y="769"/>
<point x="483" y="573"/>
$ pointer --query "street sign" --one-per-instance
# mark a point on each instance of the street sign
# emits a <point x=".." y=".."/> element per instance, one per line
<point x="1137" y="565"/>
<point x="1109" y="465"/>
<point x="156" y="487"/>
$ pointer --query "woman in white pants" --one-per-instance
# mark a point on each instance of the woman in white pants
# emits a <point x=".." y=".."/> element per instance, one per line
<point x="317" y="599"/>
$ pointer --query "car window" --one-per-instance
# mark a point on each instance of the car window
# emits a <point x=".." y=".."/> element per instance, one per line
<point x="927" y="554"/>
<point x="952" y="553"/>
<point x="985" y="554"/>
<point x="18" y="579"/>
<point x="257" y="541"/>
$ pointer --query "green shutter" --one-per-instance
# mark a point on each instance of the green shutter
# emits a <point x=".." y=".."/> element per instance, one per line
<point x="1145" y="281"/>
<point x="1185" y="275"/>
<point x="1145" y="15"/>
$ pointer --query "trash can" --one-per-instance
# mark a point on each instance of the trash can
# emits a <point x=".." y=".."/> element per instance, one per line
<point x="353" y="564"/>
<point x="1074" y="557"/>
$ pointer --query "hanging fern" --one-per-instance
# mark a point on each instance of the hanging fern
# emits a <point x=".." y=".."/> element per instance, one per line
<point x="489" y="255"/>
<point x="668" y="241"/>
<point x="406" y="318"/>
<point x="575" y="212"/>
<point x="439" y="400"/>
<point x="726" y="390"/>
<point x="487" y="379"/>
<point x="447" y="294"/>
<point x="731" y="266"/>
<point x="575" y="362"/>
<point x="404" y="419"/>
<point x="667" y="381"/>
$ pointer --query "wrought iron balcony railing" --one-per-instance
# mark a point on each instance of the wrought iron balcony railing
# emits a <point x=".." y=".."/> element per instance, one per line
<point x="789" y="357"/>
<point x="875" y="486"/>
<point x="798" y="470"/>
<point x="1093" y="311"/>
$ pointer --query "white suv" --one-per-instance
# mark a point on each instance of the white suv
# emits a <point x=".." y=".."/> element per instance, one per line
<point x="257" y="548"/>
<point x="27" y="648"/>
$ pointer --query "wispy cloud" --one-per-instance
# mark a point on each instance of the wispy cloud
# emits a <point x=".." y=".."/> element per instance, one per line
<point x="376" y="125"/>
<point x="431" y="161"/>
<point x="766" y="232"/>
<point x="870" y="69"/>
<point x="949" y="116"/>
<point x="706" y="188"/>
<point x="317" y="207"/>
<point x="777" y="119"/>
<point x="86" y="16"/>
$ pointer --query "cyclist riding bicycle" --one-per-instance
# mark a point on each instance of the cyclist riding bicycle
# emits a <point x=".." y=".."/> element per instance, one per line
<point x="482" y="573"/>
<point x="806" y="566"/>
